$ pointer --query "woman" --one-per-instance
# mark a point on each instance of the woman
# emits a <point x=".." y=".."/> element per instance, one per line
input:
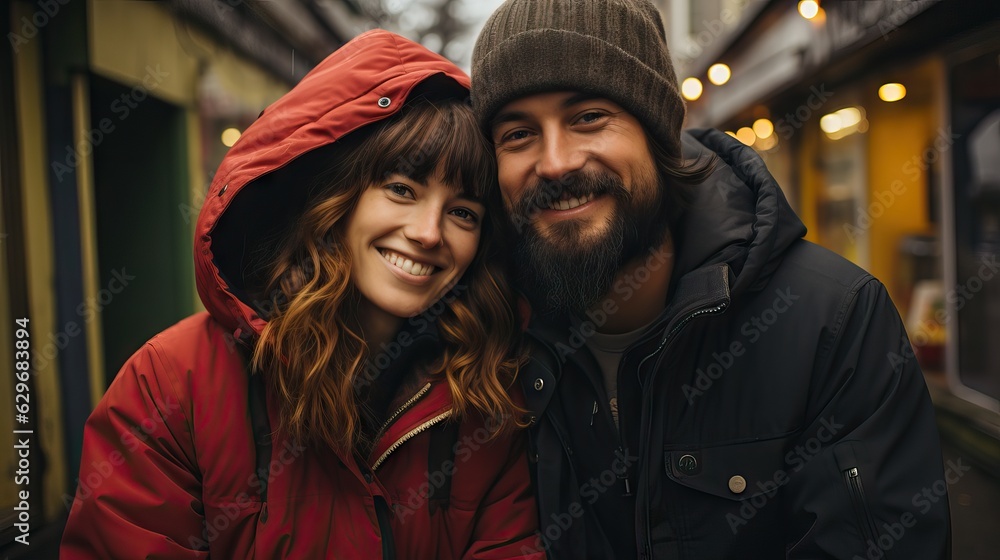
<point x="343" y="256"/>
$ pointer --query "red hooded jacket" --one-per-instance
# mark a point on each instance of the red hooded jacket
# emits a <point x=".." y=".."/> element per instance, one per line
<point x="170" y="468"/>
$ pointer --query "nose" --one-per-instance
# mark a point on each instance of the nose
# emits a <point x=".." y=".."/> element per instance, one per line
<point x="560" y="156"/>
<point x="424" y="228"/>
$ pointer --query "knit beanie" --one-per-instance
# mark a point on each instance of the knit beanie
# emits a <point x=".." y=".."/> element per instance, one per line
<point x="616" y="49"/>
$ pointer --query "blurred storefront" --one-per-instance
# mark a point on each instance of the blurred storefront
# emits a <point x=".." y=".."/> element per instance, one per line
<point x="881" y="120"/>
<point x="114" y="116"/>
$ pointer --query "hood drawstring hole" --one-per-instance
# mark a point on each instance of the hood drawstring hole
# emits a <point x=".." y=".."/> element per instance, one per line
<point x="223" y="191"/>
<point x="384" y="102"/>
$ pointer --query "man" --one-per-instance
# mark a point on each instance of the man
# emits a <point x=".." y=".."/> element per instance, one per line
<point x="704" y="383"/>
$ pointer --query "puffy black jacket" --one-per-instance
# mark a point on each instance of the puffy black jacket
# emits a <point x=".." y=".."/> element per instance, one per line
<point x="774" y="410"/>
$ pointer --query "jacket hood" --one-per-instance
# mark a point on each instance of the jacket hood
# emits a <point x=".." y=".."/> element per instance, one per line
<point x="739" y="215"/>
<point x="259" y="189"/>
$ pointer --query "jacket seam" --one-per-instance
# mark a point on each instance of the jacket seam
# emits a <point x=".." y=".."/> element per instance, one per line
<point x="172" y="381"/>
<point x="848" y="304"/>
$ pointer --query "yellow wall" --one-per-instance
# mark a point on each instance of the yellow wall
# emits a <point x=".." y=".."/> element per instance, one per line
<point x="899" y="184"/>
<point x="810" y="182"/>
<point x="128" y="38"/>
<point x="901" y="148"/>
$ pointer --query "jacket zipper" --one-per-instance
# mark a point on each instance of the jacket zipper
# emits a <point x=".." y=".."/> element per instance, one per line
<point x="408" y="435"/>
<point x="648" y="548"/>
<point x="718" y="308"/>
<point x="392" y="418"/>
<point x="861" y="509"/>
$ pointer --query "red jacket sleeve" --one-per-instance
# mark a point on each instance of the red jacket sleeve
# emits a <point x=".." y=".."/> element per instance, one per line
<point x="508" y="519"/>
<point x="138" y="494"/>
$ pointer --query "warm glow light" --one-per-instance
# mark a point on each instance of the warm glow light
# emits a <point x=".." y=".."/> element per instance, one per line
<point x="891" y="92"/>
<point x="691" y="88"/>
<point x="763" y="128"/>
<point x="809" y="8"/>
<point x="230" y="136"/>
<point x="746" y="135"/>
<point x="849" y="116"/>
<point x="830" y="124"/>
<point x="843" y="122"/>
<point x="765" y="144"/>
<point x="731" y="133"/>
<point x="719" y="74"/>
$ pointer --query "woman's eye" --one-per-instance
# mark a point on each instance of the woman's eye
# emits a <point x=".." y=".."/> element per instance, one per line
<point x="400" y="190"/>
<point x="466" y="215"/>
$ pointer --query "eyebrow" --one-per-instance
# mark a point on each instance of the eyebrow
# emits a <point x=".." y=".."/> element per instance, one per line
<point x="509" y="116"/>
<point x="460" y="191"/>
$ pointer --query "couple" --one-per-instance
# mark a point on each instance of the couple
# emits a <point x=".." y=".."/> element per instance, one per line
<point x="677" y="375"/>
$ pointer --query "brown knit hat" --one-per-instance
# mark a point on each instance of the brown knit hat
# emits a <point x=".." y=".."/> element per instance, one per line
<point x="616" y="49"/>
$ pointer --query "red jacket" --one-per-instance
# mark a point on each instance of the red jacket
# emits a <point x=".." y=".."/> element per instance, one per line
<point x="169" y="461"/>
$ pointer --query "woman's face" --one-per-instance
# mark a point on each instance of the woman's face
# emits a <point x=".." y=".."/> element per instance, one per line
<point x="410" y="242"/>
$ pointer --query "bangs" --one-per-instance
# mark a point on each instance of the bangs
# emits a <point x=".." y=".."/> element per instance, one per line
<point x="426" y="139"/>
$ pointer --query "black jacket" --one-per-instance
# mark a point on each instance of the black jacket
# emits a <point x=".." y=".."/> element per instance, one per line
<point x="774" y="410"/>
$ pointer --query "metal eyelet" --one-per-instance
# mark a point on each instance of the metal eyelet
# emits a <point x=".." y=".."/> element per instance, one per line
<point x="384" y="102"/>
<point x="223" y="191"/>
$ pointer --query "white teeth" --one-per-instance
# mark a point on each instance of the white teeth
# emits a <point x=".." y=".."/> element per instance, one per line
<point x="570" y="203"/>
<point x="406" y="265"/>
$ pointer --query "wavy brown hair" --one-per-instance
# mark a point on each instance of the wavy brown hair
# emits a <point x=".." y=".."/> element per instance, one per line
<point x="311" y="351"/>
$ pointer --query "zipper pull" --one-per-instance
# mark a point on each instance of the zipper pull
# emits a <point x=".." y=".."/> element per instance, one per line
<point x="593" y="413"/>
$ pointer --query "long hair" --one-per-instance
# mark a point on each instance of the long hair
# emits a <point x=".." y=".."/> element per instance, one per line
<point x="681" y="179"/>
<point x="311" y="352"/>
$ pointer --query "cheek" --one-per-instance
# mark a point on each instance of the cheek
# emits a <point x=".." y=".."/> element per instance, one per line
<point x="465" y="250"/>
<point x="511" y="180"/>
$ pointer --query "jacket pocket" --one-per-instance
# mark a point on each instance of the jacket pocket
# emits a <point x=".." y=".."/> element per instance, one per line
<point x="734" y="471"/>
<point x="862" y="513"/>
<point x="724" y="501"/>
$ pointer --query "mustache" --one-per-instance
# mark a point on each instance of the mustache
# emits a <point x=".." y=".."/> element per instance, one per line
<point x="540" y="195"/>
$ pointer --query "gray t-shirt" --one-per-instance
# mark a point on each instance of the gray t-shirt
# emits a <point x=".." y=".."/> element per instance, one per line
<point x="608" y="350"/>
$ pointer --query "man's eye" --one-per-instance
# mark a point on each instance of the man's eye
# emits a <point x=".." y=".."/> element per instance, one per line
<point x="591" y="117"/>
<point x="514" y="136"/>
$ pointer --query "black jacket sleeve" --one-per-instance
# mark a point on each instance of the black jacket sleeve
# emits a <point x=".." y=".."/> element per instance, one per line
<point x="878" y="488"/>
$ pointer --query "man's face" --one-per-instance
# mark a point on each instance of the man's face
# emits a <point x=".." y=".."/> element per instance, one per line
<point x="581" y="189"/>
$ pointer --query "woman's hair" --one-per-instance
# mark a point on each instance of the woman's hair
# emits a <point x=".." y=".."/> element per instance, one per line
<point x="310" y="351"/>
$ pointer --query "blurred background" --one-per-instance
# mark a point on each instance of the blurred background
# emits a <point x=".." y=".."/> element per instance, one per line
<point x="880" y="119"/>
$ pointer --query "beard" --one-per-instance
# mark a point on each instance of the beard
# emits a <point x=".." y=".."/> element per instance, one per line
<point x="567" y="271"/>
